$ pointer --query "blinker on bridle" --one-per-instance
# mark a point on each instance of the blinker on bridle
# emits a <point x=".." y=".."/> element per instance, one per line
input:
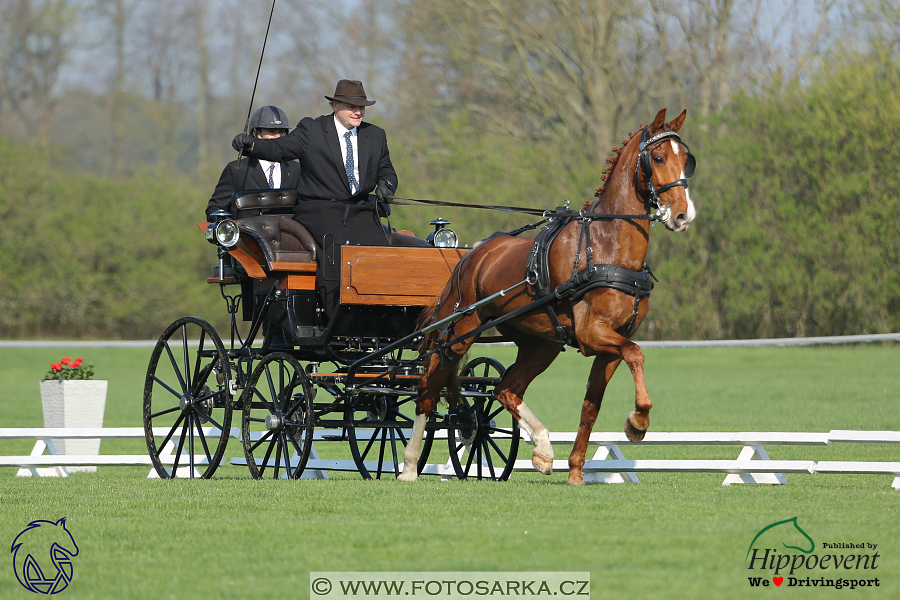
<point x="644" y="166"/>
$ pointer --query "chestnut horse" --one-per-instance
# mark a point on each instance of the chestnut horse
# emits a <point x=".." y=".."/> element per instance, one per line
<point x="598" y="323"/>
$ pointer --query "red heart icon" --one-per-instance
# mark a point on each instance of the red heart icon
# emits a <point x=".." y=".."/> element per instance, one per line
<point x="778" y="580"/>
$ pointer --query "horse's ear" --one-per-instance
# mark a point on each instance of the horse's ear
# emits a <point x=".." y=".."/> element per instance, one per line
<point x="677" y="123"/>
<point x="659" y="121"/>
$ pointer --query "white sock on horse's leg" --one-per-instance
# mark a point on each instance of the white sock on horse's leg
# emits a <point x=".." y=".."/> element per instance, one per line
<point x="412" y="451"/>
<point x="543" y="450"/>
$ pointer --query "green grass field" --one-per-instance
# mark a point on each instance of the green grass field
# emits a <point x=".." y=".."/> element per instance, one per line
<point x="672" y="536"/>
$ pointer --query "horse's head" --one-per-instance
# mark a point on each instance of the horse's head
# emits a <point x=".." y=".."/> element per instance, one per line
<point x="664" y="163"/>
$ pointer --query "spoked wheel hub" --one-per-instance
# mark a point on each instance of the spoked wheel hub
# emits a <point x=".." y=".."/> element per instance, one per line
<point x="187" y="403"/>
<point x="479" y="447"/>
<point x="277" y="418"/>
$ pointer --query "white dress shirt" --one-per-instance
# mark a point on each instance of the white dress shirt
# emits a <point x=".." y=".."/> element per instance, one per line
<point x="341" y="130"/>
<point x="276" y="174"/>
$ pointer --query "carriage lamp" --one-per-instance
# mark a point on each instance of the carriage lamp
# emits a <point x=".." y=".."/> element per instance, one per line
<point x="442" y="236"/>
<point x="224" y="233"/>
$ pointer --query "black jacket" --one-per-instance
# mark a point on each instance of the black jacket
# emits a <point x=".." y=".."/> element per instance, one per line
<point x="248" y="174"/>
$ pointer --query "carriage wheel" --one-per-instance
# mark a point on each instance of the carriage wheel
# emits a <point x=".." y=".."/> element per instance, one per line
<point x="187" y="400"/>
<point x="379" y="429"/>
<point x="278" y="420"/>
<point x="479" y="446"/>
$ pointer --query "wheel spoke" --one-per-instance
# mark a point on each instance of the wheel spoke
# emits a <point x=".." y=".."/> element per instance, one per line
<point x="200" y="358"/>
<point x="487" y="455"/>
<point x="187" y="357"/>
<point x="171" y="433"/>
<point x="176" y="369"/>
<point x="489" y="440"/>
<point x="180" y="448"/>
<point x="394" y="451"/>
<point x="205" y="446"/>
<point x="381" y="451"/>
<point x="191" y="419"/>
<point x="262" y="439"/>
<point x="173" y="391"/>
<point x="277" y="456"/>
<point x="165" y="412"/>
<point x="265" y="461"/>
<point x="286" y="454"/>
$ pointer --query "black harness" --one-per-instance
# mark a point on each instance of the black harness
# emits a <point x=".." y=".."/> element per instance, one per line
<point x="634" y="283"/>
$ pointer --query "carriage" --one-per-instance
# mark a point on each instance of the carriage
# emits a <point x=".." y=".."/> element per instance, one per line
<point x="327" y="364"/>
<point x="396" y="322"/>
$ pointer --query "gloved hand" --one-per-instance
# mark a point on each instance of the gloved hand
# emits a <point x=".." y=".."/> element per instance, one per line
<point x="242" y="142"/>
<point x="384" y="191"/>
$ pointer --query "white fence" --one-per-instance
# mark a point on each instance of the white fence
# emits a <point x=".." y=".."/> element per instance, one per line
<point x="607" y="465"/>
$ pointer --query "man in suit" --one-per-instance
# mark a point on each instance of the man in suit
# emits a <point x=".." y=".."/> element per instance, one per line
<point x="266" y="123"/>
<point x="342" y="160"/>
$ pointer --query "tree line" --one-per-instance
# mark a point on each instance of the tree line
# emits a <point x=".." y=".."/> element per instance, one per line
<point x="791" y="115"/>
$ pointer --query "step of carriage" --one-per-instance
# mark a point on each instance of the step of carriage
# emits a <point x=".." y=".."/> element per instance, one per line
<point x="361" y="433"/>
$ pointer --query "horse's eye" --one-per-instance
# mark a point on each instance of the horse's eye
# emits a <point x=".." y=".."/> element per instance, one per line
<point x="659" y="160"/>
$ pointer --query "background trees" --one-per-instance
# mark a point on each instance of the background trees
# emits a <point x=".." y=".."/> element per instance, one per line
<point x="116" y="119"/>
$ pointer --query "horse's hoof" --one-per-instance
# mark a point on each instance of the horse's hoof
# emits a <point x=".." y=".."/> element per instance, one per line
<point x="579" y="480"/>
<point x="634" y="434"/>
<point x="542" y="463"/>
<point x="407" y="477"/>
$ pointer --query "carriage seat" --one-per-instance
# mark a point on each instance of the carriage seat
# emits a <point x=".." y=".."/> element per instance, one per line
<point x="253" y="203"/>
<point x="280" y="237"/>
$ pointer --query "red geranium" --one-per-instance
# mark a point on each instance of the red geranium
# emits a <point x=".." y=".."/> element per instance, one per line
<point x="70" y="369"/>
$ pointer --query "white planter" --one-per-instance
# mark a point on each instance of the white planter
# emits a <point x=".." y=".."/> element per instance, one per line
<point x="74" y="403"/>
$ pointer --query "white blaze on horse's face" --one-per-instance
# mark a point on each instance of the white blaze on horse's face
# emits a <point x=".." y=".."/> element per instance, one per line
<point x="681" y="222"/>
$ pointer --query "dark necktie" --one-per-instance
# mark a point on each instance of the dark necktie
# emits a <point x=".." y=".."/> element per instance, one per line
<point x="349" y="164"/>
<point x="271" y="173"/>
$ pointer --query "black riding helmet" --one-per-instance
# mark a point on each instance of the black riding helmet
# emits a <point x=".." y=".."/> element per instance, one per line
<point x="268" y="117"/>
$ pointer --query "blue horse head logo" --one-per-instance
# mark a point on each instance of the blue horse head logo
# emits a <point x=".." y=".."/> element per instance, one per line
<point x="42" y="556"/>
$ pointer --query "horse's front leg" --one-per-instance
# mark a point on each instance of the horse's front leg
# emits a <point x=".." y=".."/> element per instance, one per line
<point x="601" y="339"/>
<point x="601" y="372"/>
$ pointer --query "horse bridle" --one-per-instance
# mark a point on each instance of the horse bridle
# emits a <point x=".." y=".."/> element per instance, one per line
<point x="644" y="168"/>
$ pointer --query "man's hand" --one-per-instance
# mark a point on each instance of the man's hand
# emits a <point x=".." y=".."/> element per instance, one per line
<point x="242" y="142"/>
<point x="384" y="191"/>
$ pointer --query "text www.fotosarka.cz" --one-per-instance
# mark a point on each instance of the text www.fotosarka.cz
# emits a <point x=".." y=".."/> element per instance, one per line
<point x="510" y="585"/>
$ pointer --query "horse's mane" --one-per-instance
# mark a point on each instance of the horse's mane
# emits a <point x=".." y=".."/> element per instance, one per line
<point x="612" y="165"/>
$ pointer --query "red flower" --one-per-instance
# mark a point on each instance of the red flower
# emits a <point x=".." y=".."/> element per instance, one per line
<point x="65" y="360"/>
<point x="76" y="363"/>
<point x="56" y="367"/>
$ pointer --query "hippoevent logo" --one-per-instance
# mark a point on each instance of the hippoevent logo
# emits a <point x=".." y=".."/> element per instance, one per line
<point x="831" y="564"/>
<point x="42" y="556"/>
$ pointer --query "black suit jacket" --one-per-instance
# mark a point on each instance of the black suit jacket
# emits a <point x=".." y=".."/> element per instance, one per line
<point x="314" y="143"/>
<point x="248" y="174"/>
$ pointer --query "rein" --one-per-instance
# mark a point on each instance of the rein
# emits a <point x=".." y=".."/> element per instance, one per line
<point x="538" y="212"/>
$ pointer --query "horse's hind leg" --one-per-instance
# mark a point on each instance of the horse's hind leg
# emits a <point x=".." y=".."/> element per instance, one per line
<point x="534" y="356"/>
<point x="601" y="372"/>
<point x="437" y="371"/>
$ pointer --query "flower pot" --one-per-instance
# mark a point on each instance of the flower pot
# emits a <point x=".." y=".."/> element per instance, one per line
<point x="74" y="403"/>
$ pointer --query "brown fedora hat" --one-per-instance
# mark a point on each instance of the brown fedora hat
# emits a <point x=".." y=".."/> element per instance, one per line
<point x="350" y="91"/>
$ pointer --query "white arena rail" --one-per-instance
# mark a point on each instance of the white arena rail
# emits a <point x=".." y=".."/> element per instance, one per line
<point x="607" y="465"/>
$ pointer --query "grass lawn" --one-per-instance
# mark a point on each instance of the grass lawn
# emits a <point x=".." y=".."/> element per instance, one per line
<point x="673" y="536"/>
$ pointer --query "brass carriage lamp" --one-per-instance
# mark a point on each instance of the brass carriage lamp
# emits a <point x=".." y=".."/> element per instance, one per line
<point x="442" y="236"/>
